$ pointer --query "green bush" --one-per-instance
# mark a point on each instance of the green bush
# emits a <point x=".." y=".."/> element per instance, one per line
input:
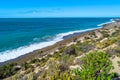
<point x="7" y="70"/>
<point x="62" y="76"/>
<point x="61" y="49"/>
<point x="71" y="50"/>
<point x="95" y="66"/>
<point x="105" y="33"/>
<point x="26" y="65"/>
<point x="34" y="61"/>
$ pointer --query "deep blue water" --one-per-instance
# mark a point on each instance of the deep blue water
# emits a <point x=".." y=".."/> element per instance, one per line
<point x="20" y="33"/>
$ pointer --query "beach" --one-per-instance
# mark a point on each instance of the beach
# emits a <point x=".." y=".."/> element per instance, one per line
<point x="46" y="50"/>
<point x="22" y="36"/>
<point x="101" y="44"/>
<point x="59" y="40"/>
<point x="69" y="39"/>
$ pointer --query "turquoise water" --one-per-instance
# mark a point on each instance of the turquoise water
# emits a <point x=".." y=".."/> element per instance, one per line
<point x="23" y="35"/>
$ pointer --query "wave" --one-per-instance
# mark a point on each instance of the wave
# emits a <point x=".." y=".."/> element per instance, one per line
<point x="111" y="21"/>
<point x="11" y="54"/>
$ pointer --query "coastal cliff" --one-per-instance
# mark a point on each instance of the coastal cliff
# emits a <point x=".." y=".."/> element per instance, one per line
<point x="92" y="55"/>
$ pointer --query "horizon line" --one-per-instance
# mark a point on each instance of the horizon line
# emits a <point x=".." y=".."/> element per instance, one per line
<point x="65" y="17"/>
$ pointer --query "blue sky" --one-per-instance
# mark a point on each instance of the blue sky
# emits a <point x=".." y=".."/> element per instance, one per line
<point x="59" y="8"/>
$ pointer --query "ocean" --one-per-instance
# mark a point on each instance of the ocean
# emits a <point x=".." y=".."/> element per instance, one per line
<point x="19" y="36"/>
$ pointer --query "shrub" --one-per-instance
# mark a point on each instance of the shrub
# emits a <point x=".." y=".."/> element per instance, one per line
<point x="34" y="61"/>
<point x="95" y="66"/>
<point x="119" y="63"/>
<point x="85" y="47"/>
<point x="105" y="34"/>
<point x="118" y="43"/>
<point x="7" y="70"/>
<point x="75" y="39"/>
<point x="107" y="43"/>
<point x="56" y="54"/>
<point x="65" y="62"/>
<point x="32" y="76"/>
<point x="71" y="50"/>
<point x="63" y="76"/>
<point x="26" y="65"/>
<point x="61" y="49"/>
<point x="94" y="34"/>
<point x="114" y="51"/>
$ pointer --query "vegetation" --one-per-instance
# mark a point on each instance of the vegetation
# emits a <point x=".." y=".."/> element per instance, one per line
<point x="71" y="50"/>
<point x="105" y="33"/>
<point x="114" y="51"/>
<point x="119" y="63"/>
<point x="86" y="46"/>
<point x="95" y="66"/>
<point x="106" y="42"/>
<point x="26" y="65"/>
<point x="7" y="70"/>
<point x="87" y="59"/>
<point x="63" y="76"/>
<point x="65" y="61"/>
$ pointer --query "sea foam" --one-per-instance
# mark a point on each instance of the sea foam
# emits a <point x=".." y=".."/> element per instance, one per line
<point x="11" y="54"/>
<point x="111" y="21"/>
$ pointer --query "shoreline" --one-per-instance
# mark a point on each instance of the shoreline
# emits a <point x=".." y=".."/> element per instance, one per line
<point x="51" y="49"/>
<point x="36" y="46"/>
<point x="47" y="50"/>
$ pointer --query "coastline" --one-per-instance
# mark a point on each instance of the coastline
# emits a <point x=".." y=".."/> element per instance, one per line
<point x="51" y="49"/>
<point x="36" y="46"/>
<point x="46" y="50"/>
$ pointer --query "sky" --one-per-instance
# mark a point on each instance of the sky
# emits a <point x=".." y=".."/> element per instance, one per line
<point x="59" y="8"/>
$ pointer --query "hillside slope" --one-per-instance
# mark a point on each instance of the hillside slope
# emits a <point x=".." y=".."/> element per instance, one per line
<point x="93" y="55"/>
